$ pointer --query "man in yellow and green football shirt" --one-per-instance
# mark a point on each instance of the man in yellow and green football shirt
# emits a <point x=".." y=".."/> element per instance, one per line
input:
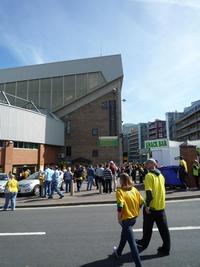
<point x="183" y="171"/>
<point x="154" y="210"/>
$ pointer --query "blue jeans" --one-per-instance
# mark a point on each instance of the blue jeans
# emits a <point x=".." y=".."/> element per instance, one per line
<point x="90" y="182"/>
<point x="47" y="186"/>
<point x="127" y="235"/>
<point x="10" y="197"/>
<point x="68" y="185"/>
<point x="56" y="189"/>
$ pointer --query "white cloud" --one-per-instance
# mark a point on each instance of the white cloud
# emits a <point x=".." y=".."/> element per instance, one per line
<point x="23" y="51"/>
<point x="181" y="3"/>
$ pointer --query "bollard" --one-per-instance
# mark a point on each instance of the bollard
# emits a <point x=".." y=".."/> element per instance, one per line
<point x="100" y="188"/>
<point x="72" y="188"/>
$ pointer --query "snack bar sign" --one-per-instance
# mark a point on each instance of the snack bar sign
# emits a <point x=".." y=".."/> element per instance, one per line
<point x="158" y="143"/>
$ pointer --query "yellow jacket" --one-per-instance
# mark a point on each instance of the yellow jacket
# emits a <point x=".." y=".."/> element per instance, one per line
<point x="12" y="185"/>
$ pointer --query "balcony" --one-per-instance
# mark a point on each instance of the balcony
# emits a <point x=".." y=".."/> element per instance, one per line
<point x="188" y="132"/>
<point x="187" y="123"/>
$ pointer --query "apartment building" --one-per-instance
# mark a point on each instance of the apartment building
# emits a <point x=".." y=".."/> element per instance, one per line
<point x="188" y="125"/>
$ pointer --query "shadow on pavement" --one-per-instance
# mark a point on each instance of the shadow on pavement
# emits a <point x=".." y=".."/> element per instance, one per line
<point x="111" y="261"/>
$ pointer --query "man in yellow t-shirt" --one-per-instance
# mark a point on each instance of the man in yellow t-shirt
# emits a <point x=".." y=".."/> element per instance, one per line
<point x="183" y="171"/>
<point x="154" y="210"/>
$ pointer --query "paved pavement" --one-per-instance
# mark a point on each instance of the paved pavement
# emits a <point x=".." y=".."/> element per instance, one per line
<point x="91" y="197"/>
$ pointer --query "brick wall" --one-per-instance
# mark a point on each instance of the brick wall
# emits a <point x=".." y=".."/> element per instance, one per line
<point x="10" y="156"/>
<point x="92" y="115"/>
<point x="51" y="154"/>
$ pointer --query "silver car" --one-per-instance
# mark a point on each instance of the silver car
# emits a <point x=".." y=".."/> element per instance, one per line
<point x="30" y="185"/>
<point x="3" y="181"/>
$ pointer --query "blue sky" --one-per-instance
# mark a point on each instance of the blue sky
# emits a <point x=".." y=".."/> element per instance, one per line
<point x="159" y="41"/>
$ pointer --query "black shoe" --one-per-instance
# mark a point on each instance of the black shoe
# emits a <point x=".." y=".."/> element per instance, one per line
<point x="61" y="197"/>
<point x="50" y="197"/>
<point x="163" y="251"/>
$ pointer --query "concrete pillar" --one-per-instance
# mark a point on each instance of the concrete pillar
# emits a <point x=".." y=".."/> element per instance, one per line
<point x="8" y="162"/>
<point x="72" y="188"/>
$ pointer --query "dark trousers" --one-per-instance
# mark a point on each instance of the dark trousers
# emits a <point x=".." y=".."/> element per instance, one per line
<point x="159" y="217"/>
<point x="108" y="185"/>
<point x="196" y="178"/>
<point x="96" y="181"/>
<point x="42" y="190"/>
<point x="127" y="235"/>
<point x="78" y="183"/>
<point x="68" y="186"/>
<point x="182" y="177"/>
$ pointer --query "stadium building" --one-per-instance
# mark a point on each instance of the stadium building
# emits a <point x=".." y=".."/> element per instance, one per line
<point x="66" y="111"/>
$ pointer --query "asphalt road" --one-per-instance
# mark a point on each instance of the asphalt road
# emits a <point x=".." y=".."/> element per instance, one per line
<point x="84" y="237"/>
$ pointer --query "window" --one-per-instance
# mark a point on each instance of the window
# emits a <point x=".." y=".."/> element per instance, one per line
<point x="45" y="94"/>
<point x="95" y="153"/>
<point x="112" y="118"/>
<point x="33" y="91"/>
<point x="57" y="92"/>
<point x="10" y="89"/>
<point x="81" y="85"/>
<point x="25" y="145"/>
<point x="104" y="105"/>
<point x="1" y="143"/>
<point x="68" y="127"/>
<point x="69" y="89"/>
<point x="68" y="151"/>
<point x="94" y="131"/>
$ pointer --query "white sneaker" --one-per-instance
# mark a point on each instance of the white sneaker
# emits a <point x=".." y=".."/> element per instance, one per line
<point x="115" y="253"/>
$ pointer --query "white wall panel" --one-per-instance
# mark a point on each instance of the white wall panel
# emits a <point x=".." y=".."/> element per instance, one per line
<point x="17" y="124"/>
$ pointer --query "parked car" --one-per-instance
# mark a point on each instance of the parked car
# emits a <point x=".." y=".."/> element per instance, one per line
<point x="31" y="185"/>
<point x="3" y="181"/>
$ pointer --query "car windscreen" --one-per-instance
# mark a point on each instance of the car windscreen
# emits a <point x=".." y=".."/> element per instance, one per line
<point x="3" y="177"/>
<point x="33" y="176"/>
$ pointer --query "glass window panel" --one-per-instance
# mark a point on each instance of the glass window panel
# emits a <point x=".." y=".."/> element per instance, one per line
<point x="1" y="87"/>
<point x="57" y="92"/>
<point x="10" y="89"/>
<point x="68" y="151"/>
<point x="33" y="91"/>
<point x="22" y="93"/>
<point x="69" y="89"/>
<point x="93" y="80"/>
<point x="45" y="93"/>
<point x="3" y="99"/>
<point x="68" y="127"/>
<point x="81" y="85"/>
<point x="102" y="80"/>
<point x="22" y="89"/>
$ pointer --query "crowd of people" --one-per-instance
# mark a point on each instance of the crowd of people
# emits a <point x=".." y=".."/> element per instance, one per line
<point x="103" y="177"/>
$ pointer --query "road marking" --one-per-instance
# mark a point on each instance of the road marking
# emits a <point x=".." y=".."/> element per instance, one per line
<point x="22" y="234"/>
<point x="183" y="200"/>
<point x="182" y="228"/>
